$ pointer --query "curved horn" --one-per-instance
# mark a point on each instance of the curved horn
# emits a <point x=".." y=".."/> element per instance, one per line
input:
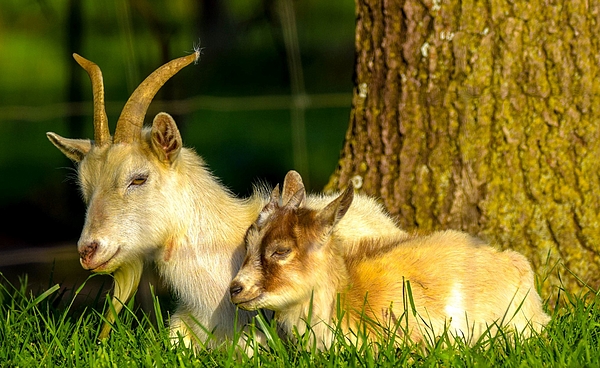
<point x="101" y="132"/>
<point x="131" y="120"/>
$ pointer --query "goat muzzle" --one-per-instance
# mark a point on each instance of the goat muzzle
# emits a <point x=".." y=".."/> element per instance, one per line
<point x="86" y="253"/>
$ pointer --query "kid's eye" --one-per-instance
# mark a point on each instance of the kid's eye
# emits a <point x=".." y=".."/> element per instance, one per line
<point x="281" y="253"/>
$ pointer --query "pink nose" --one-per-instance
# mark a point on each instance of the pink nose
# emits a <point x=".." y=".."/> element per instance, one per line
<point x="87" y="252"/>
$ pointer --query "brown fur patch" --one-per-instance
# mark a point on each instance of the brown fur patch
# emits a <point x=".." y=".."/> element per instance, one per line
<point x="169" y="246"/>
<point x="287" y="230"/>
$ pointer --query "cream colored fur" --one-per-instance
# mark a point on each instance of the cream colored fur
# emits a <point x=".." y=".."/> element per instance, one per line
<point x="456" y="281"/>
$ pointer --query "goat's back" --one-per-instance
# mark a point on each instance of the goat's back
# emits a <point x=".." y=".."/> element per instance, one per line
<point x="365" y="219"/>
<point x="454" y="279"/>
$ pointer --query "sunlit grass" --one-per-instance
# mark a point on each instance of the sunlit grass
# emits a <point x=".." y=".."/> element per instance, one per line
<point x="45" y="329"/>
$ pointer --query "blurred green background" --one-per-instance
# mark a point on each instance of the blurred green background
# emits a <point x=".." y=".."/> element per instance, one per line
<point x="235" y="107"/>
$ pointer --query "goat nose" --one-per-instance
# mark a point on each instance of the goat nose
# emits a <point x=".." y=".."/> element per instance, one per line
<point x="235" y="289"/>
<point x="87" y="252"/>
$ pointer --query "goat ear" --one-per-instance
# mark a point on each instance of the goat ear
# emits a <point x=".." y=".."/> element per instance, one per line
<point x="74" y="149"/>
<point x="335" y="211"/>
<point x="291" y="185"/>
<point x="274" y="200"/>
<point x="297" y="200"/>
<point x="166" y="140"/>
<point x="268" y="208"/>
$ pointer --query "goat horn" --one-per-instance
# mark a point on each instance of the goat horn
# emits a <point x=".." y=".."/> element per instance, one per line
<point x="101" y="132"/>
<point x="131" y="120"/>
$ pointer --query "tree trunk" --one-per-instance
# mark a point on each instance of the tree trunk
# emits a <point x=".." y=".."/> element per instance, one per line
<point x="483" y="116"/>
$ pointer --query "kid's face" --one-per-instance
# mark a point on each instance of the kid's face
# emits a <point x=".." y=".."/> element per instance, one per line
<point x="276" y="271"/>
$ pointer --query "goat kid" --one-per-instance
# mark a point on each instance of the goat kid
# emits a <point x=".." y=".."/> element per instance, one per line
<point x="295" y="265"/>
<point x="148" y="197"/>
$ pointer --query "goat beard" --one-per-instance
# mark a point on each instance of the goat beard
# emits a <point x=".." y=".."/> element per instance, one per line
<point x="127" y="278"/>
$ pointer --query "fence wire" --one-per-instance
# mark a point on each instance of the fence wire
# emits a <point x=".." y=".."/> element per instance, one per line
<point x="180" y="107"/>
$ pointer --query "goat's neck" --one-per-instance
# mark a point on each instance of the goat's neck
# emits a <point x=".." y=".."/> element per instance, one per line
<point x="203" y="242"/>
<point x="320" y="311"/>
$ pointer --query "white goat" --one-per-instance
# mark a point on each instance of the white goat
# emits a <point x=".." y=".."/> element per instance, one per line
<point x="296" y="266"/>
<point x="148" y="197"/>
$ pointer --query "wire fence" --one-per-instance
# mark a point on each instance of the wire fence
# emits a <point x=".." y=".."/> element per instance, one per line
<point x="181" y="107"/>
<point x="58" y="252"/>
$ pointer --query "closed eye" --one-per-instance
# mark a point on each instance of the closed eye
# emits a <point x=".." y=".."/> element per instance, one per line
<point x="281" y="253"/>
<point x="139" y="179"/>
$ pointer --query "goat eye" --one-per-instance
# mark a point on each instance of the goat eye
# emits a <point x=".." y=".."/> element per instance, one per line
<point x="281" y="253"/>
<point x="138" y="180"/>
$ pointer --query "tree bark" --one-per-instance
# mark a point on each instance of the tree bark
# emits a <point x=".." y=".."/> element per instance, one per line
<point x="483" y="116"/>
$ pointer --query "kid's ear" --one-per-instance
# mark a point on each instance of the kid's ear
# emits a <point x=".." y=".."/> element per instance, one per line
<point x="297" y="200"/>
<point x="335" y="211"/>
<point x="291" y="185"/>
<point x="166" y="140"/>
<point x="268" y="208"/>
<point x="274" y="199"/>
<point x="74" y="149"/>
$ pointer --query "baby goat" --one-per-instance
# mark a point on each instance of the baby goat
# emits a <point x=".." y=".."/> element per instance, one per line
<point x="150" y="198"/>
<point x="295" y="258"/>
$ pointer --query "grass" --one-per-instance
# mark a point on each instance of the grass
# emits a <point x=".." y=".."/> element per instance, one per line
<point x="49" y="329"/>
